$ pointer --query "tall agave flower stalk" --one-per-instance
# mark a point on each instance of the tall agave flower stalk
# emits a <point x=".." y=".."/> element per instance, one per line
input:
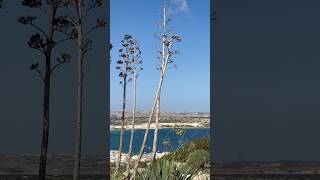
<point x="135" y="62"/>
<point x="75" y="30"/>
<point x="45" y="41"/>
<point x="168" y="39"/>
<point x="124" y="66"/>
<point x="162" y="54"/>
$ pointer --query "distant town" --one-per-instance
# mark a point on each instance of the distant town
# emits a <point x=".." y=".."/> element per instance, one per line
<point x="162" y="113"/>
<point x="167" y="119"/>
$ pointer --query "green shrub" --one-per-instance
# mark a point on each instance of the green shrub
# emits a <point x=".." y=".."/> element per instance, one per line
<point x="165" y="169"/>
<point x="198" y="159"/>
<point x="182" y="153"/>
<point x="119" y="174"/>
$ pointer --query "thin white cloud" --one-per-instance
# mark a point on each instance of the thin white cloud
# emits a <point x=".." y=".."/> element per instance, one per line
<point x="181" y="5"/>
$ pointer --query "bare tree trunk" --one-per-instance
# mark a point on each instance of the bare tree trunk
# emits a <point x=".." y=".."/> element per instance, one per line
<point x="148" y="127"/>
<point x="133" y="123"/>
<point x="155" y="135"/>
<point x="46" y="100"/>
<point x="78" y="136"/>
<point x="163" y="68"/>
<point x="45" y="128"/>
<point x="122" y="123"/>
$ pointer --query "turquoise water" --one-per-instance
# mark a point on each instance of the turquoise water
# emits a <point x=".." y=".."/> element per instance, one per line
<point x="164" y="134"/>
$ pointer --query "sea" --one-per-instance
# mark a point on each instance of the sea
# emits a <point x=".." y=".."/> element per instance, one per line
<point x="164" y="135"/>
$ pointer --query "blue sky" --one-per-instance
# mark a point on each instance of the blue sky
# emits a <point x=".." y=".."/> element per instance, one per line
<point x="187" y="87"/>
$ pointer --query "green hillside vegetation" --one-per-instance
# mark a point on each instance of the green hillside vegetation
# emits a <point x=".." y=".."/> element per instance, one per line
<point x="182" y="154"/>
<point x="183" y="164"/>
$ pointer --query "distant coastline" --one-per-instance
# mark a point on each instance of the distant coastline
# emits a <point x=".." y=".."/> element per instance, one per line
<point x="161" y="126"/>
<point x="167" y="120"/>
<point x="118" y="113"/>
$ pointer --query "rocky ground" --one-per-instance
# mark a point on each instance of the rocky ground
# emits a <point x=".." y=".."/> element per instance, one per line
<point x="59" y="167"/>
<point x="25" y="167"/>
<point x="275" y="170"/>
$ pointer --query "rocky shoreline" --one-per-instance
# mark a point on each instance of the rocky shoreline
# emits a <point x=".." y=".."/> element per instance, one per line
<point x="145" y="157"/>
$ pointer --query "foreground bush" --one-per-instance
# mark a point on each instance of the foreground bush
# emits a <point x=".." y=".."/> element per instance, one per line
<point x="198" y="159"/>
<point x="182" y="154"/>
<point x="165" y="169"/>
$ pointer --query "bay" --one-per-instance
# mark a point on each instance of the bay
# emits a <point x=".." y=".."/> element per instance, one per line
<point x="163" y="135"/>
